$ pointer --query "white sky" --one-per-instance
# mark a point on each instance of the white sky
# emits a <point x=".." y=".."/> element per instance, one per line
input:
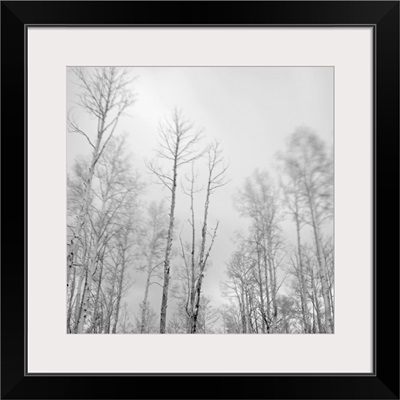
<point x="249" y="110"/>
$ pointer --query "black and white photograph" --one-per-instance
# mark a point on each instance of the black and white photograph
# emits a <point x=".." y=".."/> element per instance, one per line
<point x="200" y="200"/>
<point x="188" y="168"/>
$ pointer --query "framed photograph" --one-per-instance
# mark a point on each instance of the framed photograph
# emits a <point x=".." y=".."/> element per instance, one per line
<point x="210" y="200"/>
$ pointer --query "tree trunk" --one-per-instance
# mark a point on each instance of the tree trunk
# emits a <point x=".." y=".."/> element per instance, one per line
<point x="322" y="266"/>
<point x="192" y="258"/>
<point x="273" y="281"/>
<point x="120" y="285"/>
<point x="164" y="301"/>
<point x="96" y="301"/>
<point x="202" y="260"/>
<point x="303" y="290"/>
<point x="316" y="302"/>
<point x="243" y="312"/>
<point x="70" y="302"/>
<point x="79" y="301"/>
<point x="144" y="309"/>
<point x="85" y="299"/>
<point x="268" y="320"/>
<point x="261" y="289"/>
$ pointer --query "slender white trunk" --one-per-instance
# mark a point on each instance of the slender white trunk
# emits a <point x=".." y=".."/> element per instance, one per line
<point x="202" y="260"/>
<point x="267" y="290"/>
<point x="322" y="266"/>
<point x="303" y="287"/>
<point x="78" y="304"/>
<point x="145" y="305"/>
<point x="96" y="302"/>
<point x="273" y="281"/>
<point x="260" y="288"/>
<point x="119" y="296"/>
<point x="164" y="301"/>
<point x="316" y="303"/>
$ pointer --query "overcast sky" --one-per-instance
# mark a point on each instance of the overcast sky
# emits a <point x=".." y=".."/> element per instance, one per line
<point x="249" y="110"/>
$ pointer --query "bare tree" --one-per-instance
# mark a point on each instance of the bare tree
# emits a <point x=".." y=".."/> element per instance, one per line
<point x="111" y="215"/>
<point x="177" y="145"/>
<point x="312" y="168"/>
<point x="196" y="263"/>
<point x="259" y="201"/>
<point x="216" y="179"/>
<point x="104" y="95"/>
<point x="294" y="202"/>
<point x="263" y="258"/>
<point x="189" y="274"/>
<point x="239" y="287"/>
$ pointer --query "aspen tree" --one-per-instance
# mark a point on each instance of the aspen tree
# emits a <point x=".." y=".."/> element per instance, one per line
<point x="306" y="154"/>
<point x="104" y="95"/>
<point x="177" y="145"/>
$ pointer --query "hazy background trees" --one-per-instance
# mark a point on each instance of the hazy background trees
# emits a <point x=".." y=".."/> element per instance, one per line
<point x="281" y="284"/>
<point x="147" y="234"/>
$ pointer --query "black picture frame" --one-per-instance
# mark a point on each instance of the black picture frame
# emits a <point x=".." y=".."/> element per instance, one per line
<point x="383" y="383"/>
